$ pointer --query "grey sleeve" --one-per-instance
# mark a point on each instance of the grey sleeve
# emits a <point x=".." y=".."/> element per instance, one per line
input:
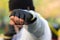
<point x="38" y="27"/>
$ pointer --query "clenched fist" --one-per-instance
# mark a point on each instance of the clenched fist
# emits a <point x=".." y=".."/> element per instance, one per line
<point x="20" y="17"/>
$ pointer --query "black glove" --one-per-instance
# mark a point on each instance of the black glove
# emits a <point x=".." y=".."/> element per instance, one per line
<point x="22" y="14"/>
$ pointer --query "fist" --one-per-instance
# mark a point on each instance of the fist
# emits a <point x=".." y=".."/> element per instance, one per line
<point x="20" y="16"/>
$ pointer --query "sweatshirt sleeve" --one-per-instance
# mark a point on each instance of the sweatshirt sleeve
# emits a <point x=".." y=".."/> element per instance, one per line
<point x="38" y="27"/>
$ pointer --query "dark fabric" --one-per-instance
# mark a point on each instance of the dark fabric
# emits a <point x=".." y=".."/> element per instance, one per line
<point x="22" y="14"/>
<point x="54" y="36"/>
<point x="7" y="39"/>
<point x="21" y="4"/>
<point x="32" y="21"/>
<point x="11" y="29"/>
<point x="10" y="32"/>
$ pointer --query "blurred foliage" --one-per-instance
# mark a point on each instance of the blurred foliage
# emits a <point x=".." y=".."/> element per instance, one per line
<point x="48" y="8"/>
<point x="4" y="12"/>
<point x="54" y="24"/>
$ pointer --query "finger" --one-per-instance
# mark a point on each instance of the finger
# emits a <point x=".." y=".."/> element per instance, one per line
<point x="21" y="21"/>
<point x="12" y="22"/>
<point x="12" y="18"/>
<point x="16" y="29"/>
<point x="19" y="26"/>
<point x="16" y="19"/>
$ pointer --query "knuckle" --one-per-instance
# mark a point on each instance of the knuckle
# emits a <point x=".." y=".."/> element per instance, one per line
<point x="11" y="22"/>
<point x="12" y="17"/>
